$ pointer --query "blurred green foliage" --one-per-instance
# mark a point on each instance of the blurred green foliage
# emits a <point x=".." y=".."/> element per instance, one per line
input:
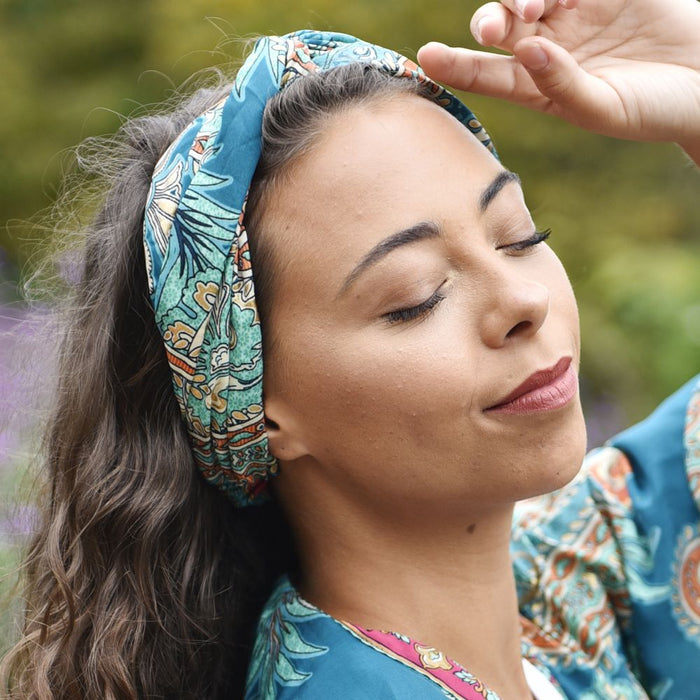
<point x="625" y="216"/>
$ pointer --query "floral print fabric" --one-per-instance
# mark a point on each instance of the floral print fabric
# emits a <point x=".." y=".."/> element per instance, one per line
<point x="608" y="576"/>
<point x="198" y="261"/>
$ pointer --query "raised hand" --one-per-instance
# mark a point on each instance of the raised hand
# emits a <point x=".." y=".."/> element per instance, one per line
<point x="625" y="68"/>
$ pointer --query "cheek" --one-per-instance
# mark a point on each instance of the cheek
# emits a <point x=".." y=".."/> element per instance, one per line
<point x="383" y="390"/>
<point x="563" y="306"/>
<point x="570" y="312"/>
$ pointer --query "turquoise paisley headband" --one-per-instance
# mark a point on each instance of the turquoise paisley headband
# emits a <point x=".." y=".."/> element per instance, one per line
<point x="198" y="262"/>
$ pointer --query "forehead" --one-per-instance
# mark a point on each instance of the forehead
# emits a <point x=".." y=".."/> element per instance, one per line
<point x="377" y="168"/>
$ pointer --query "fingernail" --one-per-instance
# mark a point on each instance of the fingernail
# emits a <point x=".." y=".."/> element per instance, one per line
<point x="520" y="8"/>
<point x="479" y="30"/>
<point x="533" y="57"/>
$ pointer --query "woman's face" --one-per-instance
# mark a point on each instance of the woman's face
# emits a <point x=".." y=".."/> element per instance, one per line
<point x="411" y="297"/>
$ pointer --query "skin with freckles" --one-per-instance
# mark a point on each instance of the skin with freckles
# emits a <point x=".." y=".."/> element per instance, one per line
<point x="412" y="294"/>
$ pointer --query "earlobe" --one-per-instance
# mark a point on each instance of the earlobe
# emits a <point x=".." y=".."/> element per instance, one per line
<point x="284" y="439"/>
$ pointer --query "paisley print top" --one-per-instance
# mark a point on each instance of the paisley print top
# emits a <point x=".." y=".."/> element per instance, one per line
<point x="608" y="577"/>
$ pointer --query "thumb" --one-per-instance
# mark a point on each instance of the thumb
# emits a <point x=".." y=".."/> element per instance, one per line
<point x="574" y="93"/>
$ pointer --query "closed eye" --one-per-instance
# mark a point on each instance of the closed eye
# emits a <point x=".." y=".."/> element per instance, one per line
<point x="537" y="237"/>
<point x="413" y="313"/>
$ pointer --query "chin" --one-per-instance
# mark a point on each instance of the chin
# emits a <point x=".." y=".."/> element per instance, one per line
<point x="564" y="459"/>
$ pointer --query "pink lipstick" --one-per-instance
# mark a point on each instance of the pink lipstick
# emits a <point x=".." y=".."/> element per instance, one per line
<point x="545" y="390"/>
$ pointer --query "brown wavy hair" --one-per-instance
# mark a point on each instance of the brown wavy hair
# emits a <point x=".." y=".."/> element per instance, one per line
<point x="141" y="580"/>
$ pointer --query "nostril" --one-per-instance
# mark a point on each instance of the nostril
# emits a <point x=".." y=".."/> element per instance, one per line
<point x="519" y="328"/>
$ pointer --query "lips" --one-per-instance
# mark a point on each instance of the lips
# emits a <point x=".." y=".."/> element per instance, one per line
<point x="545" y="390"/>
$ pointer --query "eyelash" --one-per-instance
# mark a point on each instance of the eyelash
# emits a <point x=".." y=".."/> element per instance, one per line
<point x="424" y="308"/>
<point x="415" y="312"/>
<point x="537" y="237"/>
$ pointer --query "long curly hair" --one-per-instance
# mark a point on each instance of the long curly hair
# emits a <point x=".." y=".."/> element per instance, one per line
<point x="141" y="580"/>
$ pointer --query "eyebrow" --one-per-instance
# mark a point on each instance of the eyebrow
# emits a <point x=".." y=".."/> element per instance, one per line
<point x="421" y="231"/>
<point x="498" y="183"/>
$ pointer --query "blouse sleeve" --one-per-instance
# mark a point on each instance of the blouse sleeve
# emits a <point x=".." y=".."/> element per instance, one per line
<point x="608" y="568"/>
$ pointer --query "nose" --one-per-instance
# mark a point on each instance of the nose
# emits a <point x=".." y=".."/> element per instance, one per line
<point x="515" y="308"/>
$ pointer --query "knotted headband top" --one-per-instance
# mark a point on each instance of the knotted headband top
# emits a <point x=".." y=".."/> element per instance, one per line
<point x="198" y="262"/>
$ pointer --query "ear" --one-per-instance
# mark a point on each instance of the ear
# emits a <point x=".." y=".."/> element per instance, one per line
<point x="285" y="439"/>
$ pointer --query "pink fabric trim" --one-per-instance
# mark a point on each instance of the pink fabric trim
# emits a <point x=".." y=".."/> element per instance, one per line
<point x="426" y="660"/>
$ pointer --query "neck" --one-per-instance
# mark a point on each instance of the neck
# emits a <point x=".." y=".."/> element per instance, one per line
<point x="442" y="580"/>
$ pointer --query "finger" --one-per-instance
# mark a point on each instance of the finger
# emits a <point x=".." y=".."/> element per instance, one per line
<point x="480" y="72"/>
<point x="574" y="93"/>
<point x="531" y="10"/>
<point x="495" y="25"/>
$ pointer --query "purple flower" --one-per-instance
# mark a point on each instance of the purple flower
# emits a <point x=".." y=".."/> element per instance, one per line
<point x="17" y="523"/>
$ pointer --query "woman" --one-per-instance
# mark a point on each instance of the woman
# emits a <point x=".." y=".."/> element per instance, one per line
<point x="421" y="349"/>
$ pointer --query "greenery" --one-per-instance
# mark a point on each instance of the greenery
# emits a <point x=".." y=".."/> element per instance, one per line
<point x="624" y="215"/>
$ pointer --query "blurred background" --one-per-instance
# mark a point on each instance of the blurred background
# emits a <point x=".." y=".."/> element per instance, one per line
<point x="625" y="216"/>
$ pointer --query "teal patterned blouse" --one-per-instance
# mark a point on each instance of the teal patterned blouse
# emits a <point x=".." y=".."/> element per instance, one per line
<point x="608" y="576"/>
